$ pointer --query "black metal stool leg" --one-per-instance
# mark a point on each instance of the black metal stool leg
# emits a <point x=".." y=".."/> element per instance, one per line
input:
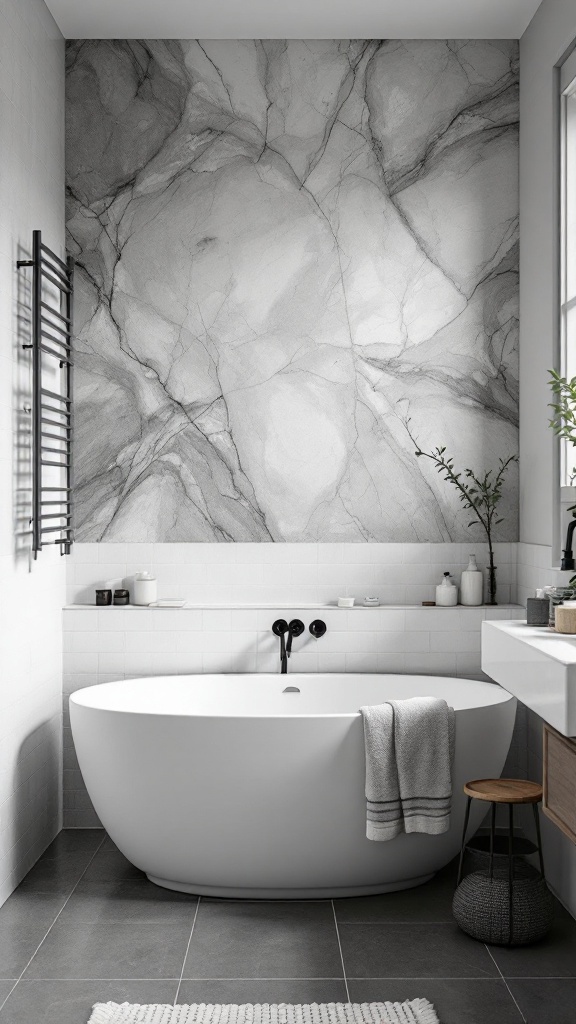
<point x="539" y="839"/>
<point x="465" y="829"/>
<point x="510" y="873"/>
<point x="492" y="834"/>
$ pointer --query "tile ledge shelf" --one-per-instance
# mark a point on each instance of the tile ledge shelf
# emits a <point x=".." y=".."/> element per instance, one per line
<point x="294" y="604"/>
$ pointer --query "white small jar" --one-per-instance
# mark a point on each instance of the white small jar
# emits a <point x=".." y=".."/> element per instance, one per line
<point x="144" y="589"/>
<point x="446" y="593"/>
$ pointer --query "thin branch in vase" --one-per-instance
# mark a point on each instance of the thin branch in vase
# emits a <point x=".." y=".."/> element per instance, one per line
<point x="478" y="494"/>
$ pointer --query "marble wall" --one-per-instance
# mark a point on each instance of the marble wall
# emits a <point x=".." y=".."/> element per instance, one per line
<point x="291" y="256"/>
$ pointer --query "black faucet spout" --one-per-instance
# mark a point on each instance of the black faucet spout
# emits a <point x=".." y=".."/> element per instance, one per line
<point x="280" y="628"/>
<point x="568" y="554"/>
<point x="284" y="655"/>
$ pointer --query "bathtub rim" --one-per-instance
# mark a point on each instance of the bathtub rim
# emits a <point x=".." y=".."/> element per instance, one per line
<point x="80" y="698"/>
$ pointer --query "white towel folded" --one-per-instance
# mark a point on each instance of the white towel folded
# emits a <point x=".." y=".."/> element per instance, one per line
<point x="409" y="752"/>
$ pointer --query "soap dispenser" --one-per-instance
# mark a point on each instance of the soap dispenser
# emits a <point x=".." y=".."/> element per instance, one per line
<point x="446" y="592"/>
<point x="472" y="584"/>
<point x="144" y="589"/>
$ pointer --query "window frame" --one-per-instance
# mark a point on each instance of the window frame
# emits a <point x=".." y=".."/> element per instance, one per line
<point x="567" y="261"/>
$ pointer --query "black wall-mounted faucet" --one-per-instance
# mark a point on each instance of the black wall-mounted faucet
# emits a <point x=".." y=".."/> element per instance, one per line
<point x="294" y="628"/>
<point x="568" y="555"/>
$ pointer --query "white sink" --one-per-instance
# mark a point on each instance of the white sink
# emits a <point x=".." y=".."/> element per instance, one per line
<point x="535" y="664"/>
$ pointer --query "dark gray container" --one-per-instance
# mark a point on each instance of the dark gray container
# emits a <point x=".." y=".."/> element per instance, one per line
<point x="537" y="611"/>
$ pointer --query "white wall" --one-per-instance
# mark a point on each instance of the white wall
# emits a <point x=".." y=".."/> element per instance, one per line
<point x="31" y="196"/>
<point x="265" y="574"/>
<point x="542" y="46"/>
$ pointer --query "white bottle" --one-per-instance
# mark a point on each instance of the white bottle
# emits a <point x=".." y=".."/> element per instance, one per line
<point x="472" y="584"/>
<point x="446" y="592"/>
<point x="144" y="589"/>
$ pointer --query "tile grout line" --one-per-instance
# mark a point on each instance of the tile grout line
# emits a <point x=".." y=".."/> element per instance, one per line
<point x="341" y="953"/>
<point x="394" y="924"/>
<point x="33" y="981"/>
<point x="186" y="952"/>
<point x="426" y="977"/>
<point x="45" y="936"/>
<point x="512" y="996"/>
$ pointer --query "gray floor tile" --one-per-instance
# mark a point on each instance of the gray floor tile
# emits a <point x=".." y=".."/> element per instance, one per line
<point x="412" y="951"/>
<point x="544" y="1001"/>
<point x="24" y="920"/>
<point x="264" y="940"/>
<point x="129" y="899"/>
<point x="485" y="1001"/>
<point x="431" y="903"/>
<point x="70" y="1002"/>
<point x="57" y="871"/>
<point x="81" y="949"/>
<point x="70" y="839"/>
<point x="316" y="990"/>
<point x="5" y="987"/>
<point x="109" y="865"/>
<point x="553" y="957"/>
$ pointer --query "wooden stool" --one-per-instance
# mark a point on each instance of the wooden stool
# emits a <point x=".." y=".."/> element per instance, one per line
<point x="510" y="792"/>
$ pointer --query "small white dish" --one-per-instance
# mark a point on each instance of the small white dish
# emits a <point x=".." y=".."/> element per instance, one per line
<point x="345" y="602"/>
<point x="168" y="602"/>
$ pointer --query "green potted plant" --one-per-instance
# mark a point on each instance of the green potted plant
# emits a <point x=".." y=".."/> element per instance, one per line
<point x="563" y="421"/>
<point x="479" y="494"/>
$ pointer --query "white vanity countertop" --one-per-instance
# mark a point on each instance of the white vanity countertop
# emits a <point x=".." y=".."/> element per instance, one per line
<point x="560" y="646"/>
<point x="537" y="665"/>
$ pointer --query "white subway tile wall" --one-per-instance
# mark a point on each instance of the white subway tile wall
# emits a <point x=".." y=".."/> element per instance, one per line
<point x="234" y="574"/>
<point x="535" y="569"/>
<point x="116" y="643"/>
<point x="32" y="196"/>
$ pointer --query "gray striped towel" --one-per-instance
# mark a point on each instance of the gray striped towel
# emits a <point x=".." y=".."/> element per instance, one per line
<point x="409" y="752"/>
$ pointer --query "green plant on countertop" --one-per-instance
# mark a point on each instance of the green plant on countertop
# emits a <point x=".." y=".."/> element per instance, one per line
<point x="479" y="494"/>
<point x="563" y="421"/>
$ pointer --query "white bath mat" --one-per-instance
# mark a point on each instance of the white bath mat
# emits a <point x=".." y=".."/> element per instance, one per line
<point x="414" y="1011"/>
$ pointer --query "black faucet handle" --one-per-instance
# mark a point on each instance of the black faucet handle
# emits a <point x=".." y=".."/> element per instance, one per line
<point x="296" y="627"/>
<point x="317" y="628"/>
<point x="280" y="627"/>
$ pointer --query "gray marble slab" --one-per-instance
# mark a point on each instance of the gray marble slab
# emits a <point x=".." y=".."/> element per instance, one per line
<point x="286" y="250"/>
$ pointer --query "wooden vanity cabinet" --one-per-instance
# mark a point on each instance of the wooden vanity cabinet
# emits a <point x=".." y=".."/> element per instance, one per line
<point x="559" y="781"/>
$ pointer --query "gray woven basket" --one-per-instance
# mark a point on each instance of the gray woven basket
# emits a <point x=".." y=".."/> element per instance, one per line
<point x="481" y="908"/>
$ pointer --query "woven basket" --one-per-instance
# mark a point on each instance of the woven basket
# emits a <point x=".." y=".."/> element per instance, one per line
<point x="477" y="856"/>
<point x="478" y="860"/>
<point x="481" y="908"/>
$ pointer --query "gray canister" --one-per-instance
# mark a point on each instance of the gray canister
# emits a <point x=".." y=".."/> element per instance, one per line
<point x="537" y="611"/>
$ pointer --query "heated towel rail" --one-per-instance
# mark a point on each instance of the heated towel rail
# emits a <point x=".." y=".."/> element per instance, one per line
<point x="51" y="343"/>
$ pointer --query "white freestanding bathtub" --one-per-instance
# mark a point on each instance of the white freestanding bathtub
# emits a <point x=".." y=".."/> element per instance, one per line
<point x="228" y="786"/>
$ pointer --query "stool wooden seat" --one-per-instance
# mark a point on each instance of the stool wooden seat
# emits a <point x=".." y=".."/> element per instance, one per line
<point x="504" y="791"/>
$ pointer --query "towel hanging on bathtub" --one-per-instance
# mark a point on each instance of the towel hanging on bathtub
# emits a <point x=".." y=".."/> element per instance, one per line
<point x="409" y="752"/>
